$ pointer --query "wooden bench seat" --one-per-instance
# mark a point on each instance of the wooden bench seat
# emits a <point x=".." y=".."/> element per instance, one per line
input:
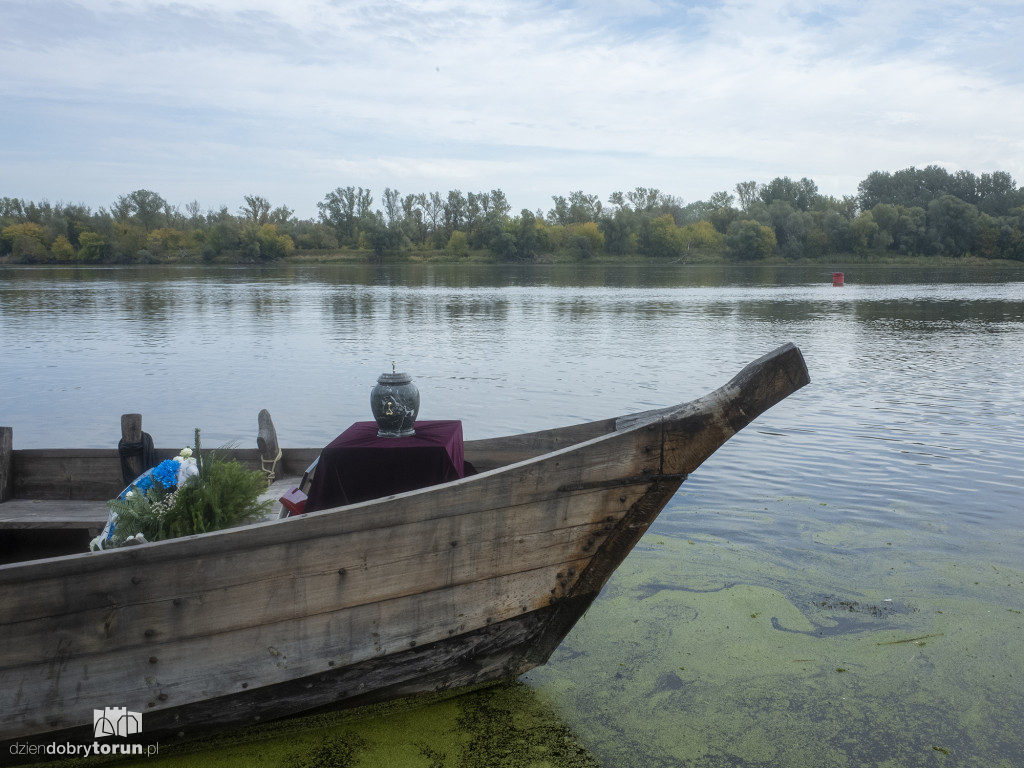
<point x="90" y="515"/>
<point x="21" y="514"/>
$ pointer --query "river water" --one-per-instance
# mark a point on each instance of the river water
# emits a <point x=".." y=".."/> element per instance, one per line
<point x="841" y="584"/>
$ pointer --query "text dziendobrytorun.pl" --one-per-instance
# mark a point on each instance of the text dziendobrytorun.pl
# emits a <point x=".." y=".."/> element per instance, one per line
<point x="84" y="750"/>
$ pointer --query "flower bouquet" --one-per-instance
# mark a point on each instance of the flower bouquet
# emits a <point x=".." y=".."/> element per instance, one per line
<point x="182" y="496"/>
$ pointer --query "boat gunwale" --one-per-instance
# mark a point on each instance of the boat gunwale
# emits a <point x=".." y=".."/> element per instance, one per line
<point x="250" y="536"/>
<point x="167" y="549"/>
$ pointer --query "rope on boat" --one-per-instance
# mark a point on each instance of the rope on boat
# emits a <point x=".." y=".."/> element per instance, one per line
<point x="143" y="450"/>
<point x="273" y="466"/>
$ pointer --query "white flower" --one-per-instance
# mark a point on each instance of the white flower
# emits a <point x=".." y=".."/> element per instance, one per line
<point x="187" y="468"/>
<point x="186" y="452"/>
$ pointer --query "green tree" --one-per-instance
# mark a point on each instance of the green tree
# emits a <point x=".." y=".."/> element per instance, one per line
<point x="265" y="243"/>
<point x="863" y="231"/>
<point x="500" y="207"/>
<point x="747" y="240"/>
<point x="413" y="220"/>
<point x="644" y="199"/>
<point x="998" y="193"/>
<point x="620" y="230"/>
<point x="169" y="242"/>
<point x="221" y="235"/>
<point x="343" y="209"/>
<point x="130" y="241"/>
<point x="722" y="218"/>
<point x="585" y="239"/>
<point x="747" y="192"/>
<point x="790" y="226"/>
<point x="255" y="210"/>
<point x="392" y="206"/>
<point x="661" y="239"/>
<point x="527" y="240"/>
<point x="910" y="232"/>
<point x="458" y="244"/>
<point x="25" y="242"/>
<point x="93" y="248"/>
<point x="454" y="212"/>
<point x="194" y="212"/>
<point x="62" y="249"/>
<point x="433" y="212"/>
<point x="701" y="236"/>
<point x="142" y="205"/>
<point x="492" y="229"/>
<point x="953" y="225"/>
<point x="318" y="236"/>
<point x="800" y="194"/>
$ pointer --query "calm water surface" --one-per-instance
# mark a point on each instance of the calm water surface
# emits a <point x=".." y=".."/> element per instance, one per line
<point x="901" y="463"/>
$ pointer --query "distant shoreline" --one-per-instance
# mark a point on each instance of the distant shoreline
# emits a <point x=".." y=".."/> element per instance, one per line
<point x="359" y="257"/>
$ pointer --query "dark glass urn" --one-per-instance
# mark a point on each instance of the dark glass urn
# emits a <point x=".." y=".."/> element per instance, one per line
<point x="395" y="401"/>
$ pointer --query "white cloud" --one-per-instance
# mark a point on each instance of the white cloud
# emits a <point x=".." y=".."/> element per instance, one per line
<point x="290" y="99"/>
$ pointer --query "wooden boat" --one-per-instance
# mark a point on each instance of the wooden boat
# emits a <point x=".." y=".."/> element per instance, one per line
<point x="471" y="581"/>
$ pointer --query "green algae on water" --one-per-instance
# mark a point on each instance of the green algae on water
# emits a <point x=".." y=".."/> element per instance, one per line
<point x="506" y="725"/>
<point x="841" y="647"/>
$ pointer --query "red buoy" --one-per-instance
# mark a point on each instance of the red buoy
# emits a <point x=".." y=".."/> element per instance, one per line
<point x="837" y="279"/>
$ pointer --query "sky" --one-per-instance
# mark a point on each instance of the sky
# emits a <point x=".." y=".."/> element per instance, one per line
<point x="291" y="99"/>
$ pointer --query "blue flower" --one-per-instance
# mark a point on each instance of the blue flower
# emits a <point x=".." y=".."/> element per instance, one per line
<point x="166" y="473"/>
<point x="144" y="484"/>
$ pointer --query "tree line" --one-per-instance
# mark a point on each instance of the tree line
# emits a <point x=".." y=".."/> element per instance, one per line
<point x="912" y="212"/>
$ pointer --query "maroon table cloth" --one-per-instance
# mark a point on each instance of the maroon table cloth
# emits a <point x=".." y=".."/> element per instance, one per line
<point x="358" y="465"/>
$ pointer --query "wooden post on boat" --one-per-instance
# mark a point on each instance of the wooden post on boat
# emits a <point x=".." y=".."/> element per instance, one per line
<point x="133" y="462"/>
<point x="6" y="457"/>
<point x="266" y="439"/>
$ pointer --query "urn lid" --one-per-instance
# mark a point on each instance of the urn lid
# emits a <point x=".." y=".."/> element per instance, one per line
<point x="394" y="378"/>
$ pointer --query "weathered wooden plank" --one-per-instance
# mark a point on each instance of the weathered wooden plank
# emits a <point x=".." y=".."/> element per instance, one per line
<point x="67" y="474"/>
<point x="485" y="655"/>
<point x="632" y="455"/>
<point x="35" y="513"/>
<point x="6" y="474"/>
<point x="95" y="473"/>
<point x="695" y="430"/>
<point x="492" y="453"/>
<point x="170" y="674"/>
<point x="266" y="441"/>
<point x="109" y="611"/>
<point x="132" y="435"/>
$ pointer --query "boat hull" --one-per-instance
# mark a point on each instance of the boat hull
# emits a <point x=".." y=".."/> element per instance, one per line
<point x="470" y="582"/>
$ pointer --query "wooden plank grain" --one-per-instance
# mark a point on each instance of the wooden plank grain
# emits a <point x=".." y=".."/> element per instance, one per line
<point x="6" y="458"/>
<point x="95" y="473"/>
<point x="66" y="474"/>
<point x="525" y="483"/>
<point x="166" y="674"/>
<point x="117" y="610"/>
<point x="20" y="514"/>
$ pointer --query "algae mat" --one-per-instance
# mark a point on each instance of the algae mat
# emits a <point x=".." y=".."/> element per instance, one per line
<point x="782" y="638"/>
<point x="503" y="725"/>
<point x="797" y="635"/>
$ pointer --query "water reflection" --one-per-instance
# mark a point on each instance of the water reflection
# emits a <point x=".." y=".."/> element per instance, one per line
<point x="899" y="469"/>
<point x="914" y="390"/>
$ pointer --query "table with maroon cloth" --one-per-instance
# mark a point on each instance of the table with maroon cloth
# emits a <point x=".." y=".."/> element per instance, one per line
<point x="358" y="465"/>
